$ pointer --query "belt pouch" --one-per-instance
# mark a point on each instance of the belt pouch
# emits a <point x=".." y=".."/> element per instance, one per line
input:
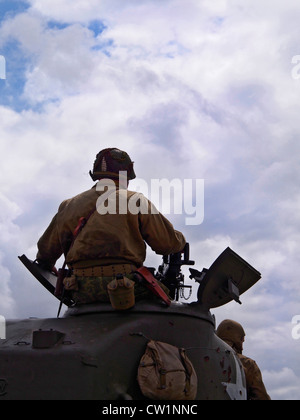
<point x="121" y="293"/>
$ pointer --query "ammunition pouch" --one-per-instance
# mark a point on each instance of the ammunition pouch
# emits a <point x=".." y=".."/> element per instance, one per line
<point x="70" y="283"/>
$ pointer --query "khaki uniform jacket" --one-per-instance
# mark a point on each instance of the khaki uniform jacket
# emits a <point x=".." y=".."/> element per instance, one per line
<point x="255" y="387"/>
<point x="106" y="238"/>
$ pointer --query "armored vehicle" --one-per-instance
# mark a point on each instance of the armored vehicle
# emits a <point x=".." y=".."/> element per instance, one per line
<point x="94" y="352"/>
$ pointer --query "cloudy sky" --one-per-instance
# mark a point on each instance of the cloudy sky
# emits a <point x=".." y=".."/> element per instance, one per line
<point x="191" y="89"/>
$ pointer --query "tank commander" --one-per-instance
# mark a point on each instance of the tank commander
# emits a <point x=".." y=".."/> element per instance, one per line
<point x="111" y="242"/>
<point x="234" y="335"/>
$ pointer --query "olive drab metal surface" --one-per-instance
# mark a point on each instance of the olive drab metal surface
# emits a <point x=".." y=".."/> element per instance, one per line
<point x="93" y="351"/>
<point x="227" y="278"/>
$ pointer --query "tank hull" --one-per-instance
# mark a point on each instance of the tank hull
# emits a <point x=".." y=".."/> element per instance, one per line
<point x="93" y="353"/>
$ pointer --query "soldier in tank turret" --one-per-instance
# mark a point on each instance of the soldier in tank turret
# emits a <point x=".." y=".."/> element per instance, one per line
<point x="110" y="243"/>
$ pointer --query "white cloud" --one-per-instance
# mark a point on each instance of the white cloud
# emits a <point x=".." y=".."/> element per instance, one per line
<point x="66" y="10"/>
<point x="283" y="384"/>
<point x="10" y="234"/>
<point x="7" y="302"/>
<point x="202" y="90"/>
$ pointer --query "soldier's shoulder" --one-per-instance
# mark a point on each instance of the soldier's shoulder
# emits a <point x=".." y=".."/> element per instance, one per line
<point x="83" y="197"/>
<point x="248" y="362"/>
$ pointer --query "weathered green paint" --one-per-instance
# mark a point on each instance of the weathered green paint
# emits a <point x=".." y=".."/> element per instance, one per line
<point x="99" y="349"/>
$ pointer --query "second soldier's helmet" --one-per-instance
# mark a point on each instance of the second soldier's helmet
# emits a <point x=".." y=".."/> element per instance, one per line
<point x="110" y="162"/>
<point x="232" y="333"/>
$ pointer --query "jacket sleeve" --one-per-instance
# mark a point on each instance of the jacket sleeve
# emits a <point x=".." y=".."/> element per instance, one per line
<point x="49" y="245"/>
<point x="159" y="233"/>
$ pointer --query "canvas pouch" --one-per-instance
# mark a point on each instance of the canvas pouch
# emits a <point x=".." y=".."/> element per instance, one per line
<point x="166" y="373"/>
<point x="121" y="293"/>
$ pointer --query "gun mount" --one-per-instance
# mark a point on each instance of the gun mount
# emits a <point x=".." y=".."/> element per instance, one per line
<point x="169" y="273"/>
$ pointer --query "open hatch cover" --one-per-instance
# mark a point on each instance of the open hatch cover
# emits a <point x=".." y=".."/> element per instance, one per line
<point x="227" y="278"/>
<point x="45" y="277"/>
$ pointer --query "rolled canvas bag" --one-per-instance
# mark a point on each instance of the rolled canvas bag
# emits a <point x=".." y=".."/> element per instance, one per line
<point x="166" y="373"/>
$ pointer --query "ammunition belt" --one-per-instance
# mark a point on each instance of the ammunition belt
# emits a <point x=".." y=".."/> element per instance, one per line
<point x="104" y="270"/>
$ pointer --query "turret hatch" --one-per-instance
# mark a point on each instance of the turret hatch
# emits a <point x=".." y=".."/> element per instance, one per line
<point x="227" y="278"/>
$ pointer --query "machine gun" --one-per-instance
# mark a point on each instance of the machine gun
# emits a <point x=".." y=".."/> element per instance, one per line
<point x="169" y="273"/>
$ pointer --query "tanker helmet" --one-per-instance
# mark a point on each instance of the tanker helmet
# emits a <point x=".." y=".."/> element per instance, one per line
<point x="232" y="333"/>
<point x="109" y="162"/>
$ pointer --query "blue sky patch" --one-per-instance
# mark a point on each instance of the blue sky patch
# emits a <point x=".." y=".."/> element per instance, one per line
<point x="11" y="89"/>
<point x="96" y="26"/>
<point x="16" y="63"/>
<point x="54" y="24"/>
<point x="12" y="7"/>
